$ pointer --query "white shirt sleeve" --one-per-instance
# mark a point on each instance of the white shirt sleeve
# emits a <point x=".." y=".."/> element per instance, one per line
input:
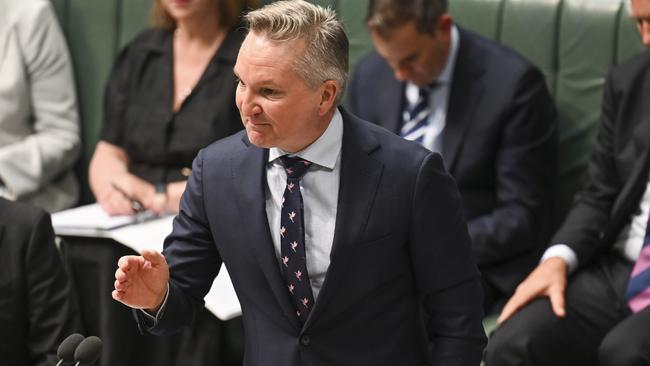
<point x="564" y="252"/>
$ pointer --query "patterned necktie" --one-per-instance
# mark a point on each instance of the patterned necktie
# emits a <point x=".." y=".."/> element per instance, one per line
<point x="638" y="289"/>
<point x="416" y="118"/>
<point x="292" y="239"/>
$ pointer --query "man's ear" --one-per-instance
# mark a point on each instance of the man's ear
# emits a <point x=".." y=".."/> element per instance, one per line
<point x="329" y="93"/>
<point x="443" y="25"/>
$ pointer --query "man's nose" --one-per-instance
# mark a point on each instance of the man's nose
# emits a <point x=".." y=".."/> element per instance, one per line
<point x="401" y="73"/>
<point x="248" y="105"/>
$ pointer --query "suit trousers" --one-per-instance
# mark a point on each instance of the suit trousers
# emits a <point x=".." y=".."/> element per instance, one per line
<point x="599" y="328"/>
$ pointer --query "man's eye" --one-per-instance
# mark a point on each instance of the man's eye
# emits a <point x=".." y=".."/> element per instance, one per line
<point x="269" y="92"/>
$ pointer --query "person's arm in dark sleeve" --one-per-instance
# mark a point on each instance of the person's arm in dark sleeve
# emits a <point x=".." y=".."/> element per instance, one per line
<point x="192" y="256"/>
<point x="52" y="306"/>
<point x="525" y="177"/>
<point x="446" y="276"/>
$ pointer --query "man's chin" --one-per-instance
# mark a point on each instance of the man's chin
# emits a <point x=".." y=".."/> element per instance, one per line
<point x="258" y="139"/>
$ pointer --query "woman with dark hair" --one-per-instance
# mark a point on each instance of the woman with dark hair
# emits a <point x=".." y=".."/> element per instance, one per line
<point x="171" y="93"/>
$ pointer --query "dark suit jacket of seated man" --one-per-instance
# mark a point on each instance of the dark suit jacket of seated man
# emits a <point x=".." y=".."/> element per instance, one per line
<point x="37" y="304"/>
<point x="389" y="262"/>
<point x="497" y="126"/>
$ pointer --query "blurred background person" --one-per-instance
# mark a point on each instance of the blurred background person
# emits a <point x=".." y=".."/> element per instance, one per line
<point x="171" y="92"/>
<point x="39" y="122"/>
<point x="486" y="109"/>
<point x="37" y="307"/>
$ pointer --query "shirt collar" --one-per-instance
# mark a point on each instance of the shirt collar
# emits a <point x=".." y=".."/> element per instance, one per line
<point x="325" y="150"/>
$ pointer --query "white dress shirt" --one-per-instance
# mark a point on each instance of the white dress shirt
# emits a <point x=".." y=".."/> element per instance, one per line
<point x="320" y="191"/>
<point x="438" y="98"/>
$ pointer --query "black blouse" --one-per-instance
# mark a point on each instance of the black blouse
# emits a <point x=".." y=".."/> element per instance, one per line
<point x="138" y="113"/>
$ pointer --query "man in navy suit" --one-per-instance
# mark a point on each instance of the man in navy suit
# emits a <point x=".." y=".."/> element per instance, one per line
<point x="485" y="109"/>
<point x="346" y="245"/>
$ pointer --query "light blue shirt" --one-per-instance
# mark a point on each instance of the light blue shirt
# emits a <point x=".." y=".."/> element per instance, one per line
<point x="438" y="98"/>
<point x="320" y="191"/>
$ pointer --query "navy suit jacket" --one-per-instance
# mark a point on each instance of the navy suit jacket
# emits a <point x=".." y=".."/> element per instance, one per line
<point x="402" y="287"/>
<point x="499" y="143"/>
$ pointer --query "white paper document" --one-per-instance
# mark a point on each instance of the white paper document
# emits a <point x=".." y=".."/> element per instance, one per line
<point x="91" y="220"/>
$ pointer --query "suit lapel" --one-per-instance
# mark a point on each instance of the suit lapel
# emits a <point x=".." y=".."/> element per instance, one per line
<point x="249" y="176"/>
<point x="360" y="176"/>
<point x="464" y="97"/>
<point x="638" y="178"/>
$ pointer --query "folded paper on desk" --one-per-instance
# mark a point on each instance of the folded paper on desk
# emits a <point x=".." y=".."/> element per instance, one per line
<point x="92" y="220"/>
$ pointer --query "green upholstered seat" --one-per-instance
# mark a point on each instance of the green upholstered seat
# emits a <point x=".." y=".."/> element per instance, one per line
<point x="482" y="16"/>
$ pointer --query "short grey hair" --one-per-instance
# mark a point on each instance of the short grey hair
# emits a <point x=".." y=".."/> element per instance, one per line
<point x="326" y="52"/>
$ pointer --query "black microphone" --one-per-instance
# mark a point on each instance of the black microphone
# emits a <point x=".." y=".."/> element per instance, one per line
<point x="65" y="353"/>
<point x="88" y="351"/>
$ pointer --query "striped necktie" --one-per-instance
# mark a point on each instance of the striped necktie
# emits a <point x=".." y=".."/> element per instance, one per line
<point x="638" y="289"/>
<point x="416" y="118"/>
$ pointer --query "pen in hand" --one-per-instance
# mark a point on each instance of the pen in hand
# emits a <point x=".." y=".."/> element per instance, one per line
<point x="135" y="204"/>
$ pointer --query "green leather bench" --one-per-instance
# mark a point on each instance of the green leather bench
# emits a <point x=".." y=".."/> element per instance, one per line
<point x="573" y="42"/>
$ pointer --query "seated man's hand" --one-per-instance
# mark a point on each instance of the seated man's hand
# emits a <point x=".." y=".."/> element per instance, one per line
<point x="141" y="281"/>
<point x="548" y="279"/>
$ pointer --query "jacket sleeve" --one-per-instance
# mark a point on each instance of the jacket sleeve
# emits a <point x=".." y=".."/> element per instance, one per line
<point x="592" y="207"/>
<point x="524" y="179"/>
<point x="193" y="259"/>
<point x="446" y="276"/>
<point x="52" y="312"/>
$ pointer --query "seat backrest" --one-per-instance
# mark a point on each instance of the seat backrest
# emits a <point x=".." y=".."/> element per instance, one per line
<point x="574" y="43"/>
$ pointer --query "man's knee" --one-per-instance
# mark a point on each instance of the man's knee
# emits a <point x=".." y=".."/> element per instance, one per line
<point x="522" y="340"/>
<point x="619" y="349"/>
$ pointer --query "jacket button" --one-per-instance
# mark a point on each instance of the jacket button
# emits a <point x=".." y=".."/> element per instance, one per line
<point x="601" y="234"/>
<point x="304" y="340"/>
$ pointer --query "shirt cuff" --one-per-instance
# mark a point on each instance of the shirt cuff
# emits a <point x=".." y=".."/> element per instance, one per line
<point x="564" y="252"/>
<point x="151" y="320"/>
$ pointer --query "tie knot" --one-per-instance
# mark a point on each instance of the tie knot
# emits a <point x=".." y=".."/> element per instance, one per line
<point x="295" y="167"/>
